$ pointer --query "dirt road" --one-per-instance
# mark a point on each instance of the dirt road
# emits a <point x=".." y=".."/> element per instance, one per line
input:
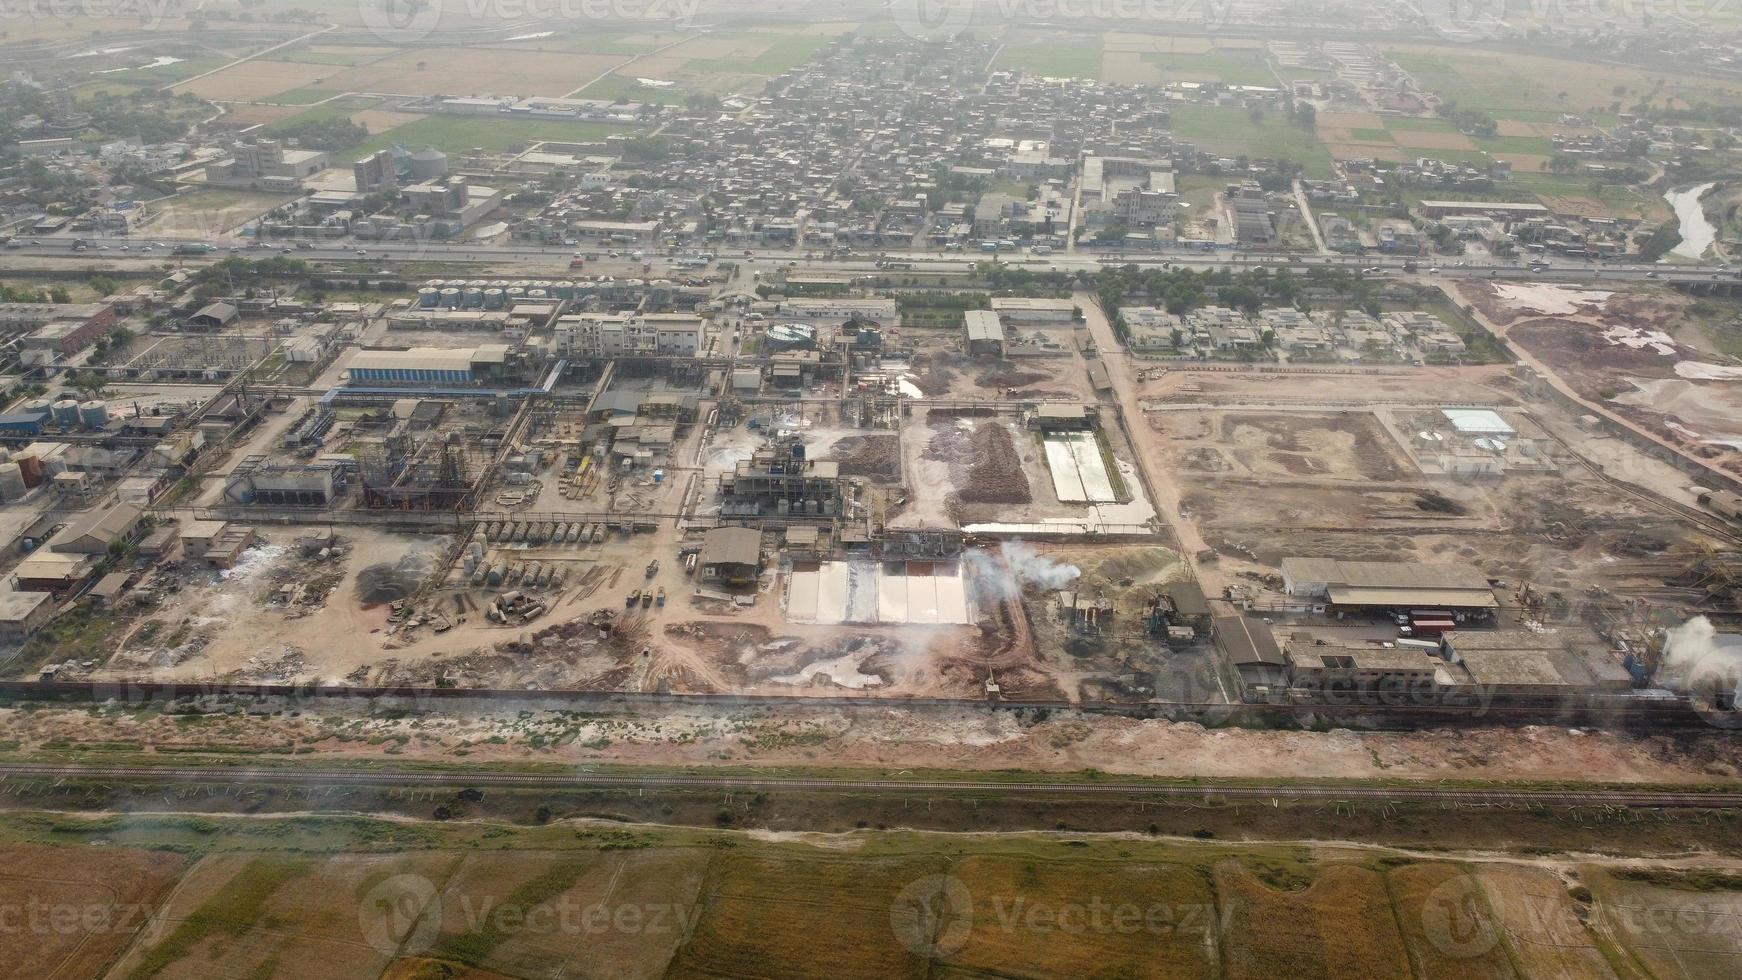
<point x="1144" y="440"/>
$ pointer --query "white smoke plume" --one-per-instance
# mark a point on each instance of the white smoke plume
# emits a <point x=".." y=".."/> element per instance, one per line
<point x="1695" y="660"/>
<point x="1003" y="575"/>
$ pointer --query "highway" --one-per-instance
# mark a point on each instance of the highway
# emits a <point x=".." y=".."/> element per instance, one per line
<point x="556" y="257"/>
<point x="581" y="779"/>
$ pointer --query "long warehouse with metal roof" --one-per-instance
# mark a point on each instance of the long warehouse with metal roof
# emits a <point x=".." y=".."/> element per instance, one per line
<point x="1457" y="586"/>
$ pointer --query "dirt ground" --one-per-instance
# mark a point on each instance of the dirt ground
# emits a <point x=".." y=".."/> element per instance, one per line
<point x="892" y="737"/>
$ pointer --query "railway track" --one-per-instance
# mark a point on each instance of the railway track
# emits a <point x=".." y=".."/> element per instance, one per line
<point x="585" y="780"/>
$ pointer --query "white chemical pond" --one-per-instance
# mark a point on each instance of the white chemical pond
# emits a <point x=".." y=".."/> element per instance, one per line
<point x="1697" y="233"/>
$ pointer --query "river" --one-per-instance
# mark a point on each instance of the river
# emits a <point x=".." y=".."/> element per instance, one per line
<point x="1697" y="233"/>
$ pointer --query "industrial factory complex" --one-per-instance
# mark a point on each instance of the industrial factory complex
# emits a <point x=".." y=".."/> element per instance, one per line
<point x="614" y="416"/>
<point x="616" y="479"/>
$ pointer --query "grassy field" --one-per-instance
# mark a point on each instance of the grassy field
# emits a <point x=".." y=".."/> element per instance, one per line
<point x="1232" y="67"/>
<point x="165" y="75"/>
<point x="458" y="134"/>
<point x="1233" y="132"/>
<point x="784" y="54"/>
<point x="1052" y="59"/>
<point x="1539" y="88"/>
<point x="313" y="896"/>
<point x="620" y="88"/>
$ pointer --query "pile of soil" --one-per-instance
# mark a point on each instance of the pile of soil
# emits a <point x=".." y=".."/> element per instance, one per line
<point x="933" y="376"/>
<point x="874" y="457"/>
<point x="1004" y="374"/>
<point x="994" y="473"/>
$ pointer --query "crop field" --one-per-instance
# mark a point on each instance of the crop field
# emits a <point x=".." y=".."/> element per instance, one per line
<point x="1052" y="58"/>
<point x="204" y="213"/>
<point x="422" y="71"/>
<point x="255" y="80"/>
<point x="1536" y="89"/>
<point x="110" y="885"/>
<point x="314" y="896"/>
<point x="459" y="134"/>
<point x="626" y="89"/>
<point x="1235" y="132"/>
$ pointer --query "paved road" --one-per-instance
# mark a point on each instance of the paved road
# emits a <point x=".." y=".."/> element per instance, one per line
<point x="1283" y="792"/>
<point x="389" y="252"/>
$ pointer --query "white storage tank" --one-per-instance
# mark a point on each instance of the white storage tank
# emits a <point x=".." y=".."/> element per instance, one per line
<point x="450" y="298"/>
<point x="94" y="414"/>
<point x="12" y="482"/>
<point x="494" y="298"/>
<point x="66" y="413"/>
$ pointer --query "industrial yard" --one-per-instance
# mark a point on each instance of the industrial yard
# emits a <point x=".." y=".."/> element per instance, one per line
<point x="792" y="490"/>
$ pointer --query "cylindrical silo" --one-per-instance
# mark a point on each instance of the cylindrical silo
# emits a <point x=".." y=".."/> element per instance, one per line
<point x="428" y="297"/>
<point x="94" y="414"/>
<point x="12" y="482"/>
<point x="493" y="299"/>
<point x="450" y="298"/>
<point x="66" y="413"/>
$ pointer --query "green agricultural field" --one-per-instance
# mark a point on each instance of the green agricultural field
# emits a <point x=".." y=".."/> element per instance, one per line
<point x="310" y="896"/>
<point x="1052" y="60"/>
<point x="457" y="134"/>
<point x="1231" y="66"/>
<point x="306" y="96"/>
<point x="1234" y="132"/>
<point x="1511" y="85"/>
<point x="783" y="55"/>
<point x="620" y="88"/>
<point x="165" y="75"/>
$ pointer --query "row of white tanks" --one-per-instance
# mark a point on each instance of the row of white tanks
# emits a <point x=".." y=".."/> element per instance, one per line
<point x="70" y="413"/>
<point x="541" y="532"/>
<point x="481" y="570"/>
<point x="499" y="293"/>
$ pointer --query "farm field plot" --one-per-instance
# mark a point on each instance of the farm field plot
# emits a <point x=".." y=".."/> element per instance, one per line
<point x="1338" y="925"/>
<point x="781" y="913"/>
<point x="162" y="74"/>
<point x="254" y="915"/>
<point x="1233" y="131"/>
<point x="115" y="886"/>
<point x="255" y="80"/>
<point x="204" y="213"/>
<point x="1052" y="58"/>
<point x="658" y="889"/>
<point x="1165" y="925"/>
<point x="1539" y="88"/>
<point x="1542" y="925"/>
<point x="458" y="134"/>
<point x="1677" y="925"/>
<point x="1446" y="922"/>
<point x="473" y="71"/>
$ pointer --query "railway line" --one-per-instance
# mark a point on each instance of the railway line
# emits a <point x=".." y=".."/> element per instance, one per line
<point x="731" y="782"/>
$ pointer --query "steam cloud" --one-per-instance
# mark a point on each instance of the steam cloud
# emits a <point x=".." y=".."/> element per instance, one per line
<point x="1016" y="565"/>
<point x="1694" y="656"/>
